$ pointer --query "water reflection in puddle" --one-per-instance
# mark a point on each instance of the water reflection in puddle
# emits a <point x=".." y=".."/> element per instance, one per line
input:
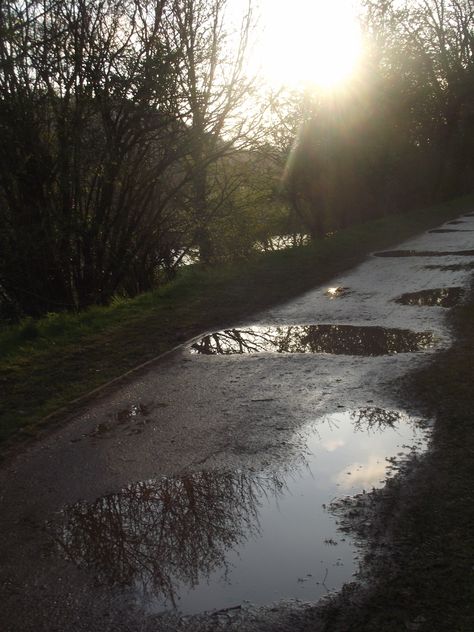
<point x="337" y="292"/>
<point x="335" y="339"/>
<point x="211" y="540"/>
<point x="425" y="253"/>
<point x="441" y="297"/>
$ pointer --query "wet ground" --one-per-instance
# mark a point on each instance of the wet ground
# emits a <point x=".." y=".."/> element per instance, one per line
<point x="205" y="482"/>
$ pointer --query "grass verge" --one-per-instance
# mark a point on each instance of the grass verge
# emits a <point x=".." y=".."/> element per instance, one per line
<point x="45" y="364"/>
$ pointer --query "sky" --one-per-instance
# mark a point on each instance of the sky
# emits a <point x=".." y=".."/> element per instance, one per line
<point x="305" y="41"/>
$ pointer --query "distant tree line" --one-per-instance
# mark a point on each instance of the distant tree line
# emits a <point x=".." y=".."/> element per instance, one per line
<point x="402" y="135"/>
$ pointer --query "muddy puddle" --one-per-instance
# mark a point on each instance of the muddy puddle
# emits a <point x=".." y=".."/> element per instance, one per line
<point x="337" y="292"/>
<point x="333" y="339"/>
<point x="440" y="297"/>
<point x="425" y="253"/>
<point x="211" y="540"/>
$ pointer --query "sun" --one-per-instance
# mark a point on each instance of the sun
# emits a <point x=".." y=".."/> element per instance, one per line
<point x="309" y="42"/>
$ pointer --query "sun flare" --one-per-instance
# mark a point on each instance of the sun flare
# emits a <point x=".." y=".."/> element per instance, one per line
<point x="316" y="42"/>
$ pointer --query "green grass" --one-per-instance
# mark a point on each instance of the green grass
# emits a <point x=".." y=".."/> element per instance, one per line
<point x="47" y="363"/>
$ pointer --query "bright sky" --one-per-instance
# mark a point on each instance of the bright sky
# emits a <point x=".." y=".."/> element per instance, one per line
<point x="304" y="42"/>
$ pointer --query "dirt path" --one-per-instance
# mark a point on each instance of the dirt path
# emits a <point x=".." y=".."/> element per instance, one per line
<point x="230" y="432"/>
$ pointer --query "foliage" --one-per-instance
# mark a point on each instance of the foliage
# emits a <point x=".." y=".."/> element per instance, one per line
<point x="110" y="112"/>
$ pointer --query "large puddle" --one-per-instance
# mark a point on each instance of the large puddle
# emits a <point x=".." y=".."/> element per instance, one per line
<point x="440" y="297"/>
<point x="335" y="339"/>
<point x="211" y="540"/>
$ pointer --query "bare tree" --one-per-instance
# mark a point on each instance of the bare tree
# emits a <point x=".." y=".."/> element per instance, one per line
<point x="215" y="103"/>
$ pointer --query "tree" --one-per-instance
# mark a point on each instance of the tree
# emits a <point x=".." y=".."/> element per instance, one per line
<point x="401" y="135"/>
<point x="214" y="102"/>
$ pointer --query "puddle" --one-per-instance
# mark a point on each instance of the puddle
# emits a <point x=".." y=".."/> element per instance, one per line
<point x="334" y="339"/>
<point x="450" y="230"/>
<point x="425" y="253"/>
<point x="453" y="267"/>
<point x="441" y="297"/>
<point x="337" y="292"/>
<point x="456" y="221"/>
<point x="210" y="540"/>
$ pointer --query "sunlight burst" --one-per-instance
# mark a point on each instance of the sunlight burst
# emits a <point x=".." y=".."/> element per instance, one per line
<point x="315" y="42"/>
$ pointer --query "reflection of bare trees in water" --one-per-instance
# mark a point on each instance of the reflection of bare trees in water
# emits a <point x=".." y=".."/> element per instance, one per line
<point x="160" y="534"/>
<point x="336" y="339"/>
<point x="374" y="418"/>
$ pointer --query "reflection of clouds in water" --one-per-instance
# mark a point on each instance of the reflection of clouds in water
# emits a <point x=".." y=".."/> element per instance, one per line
<point x="363" y="475"/>
<point x="333" y="444"/>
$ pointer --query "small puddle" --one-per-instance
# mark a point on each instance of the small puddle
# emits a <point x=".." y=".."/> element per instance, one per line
<point x="456" y="221"/>
<point x="441" y="297"/>
<point x="425" y="253"/>
<point x="453" y="267"/>
<point x="450" y="230"/>
<point x="210" y="540"/>
<point x="337" y="292"/>
<point x="334" y="339"/>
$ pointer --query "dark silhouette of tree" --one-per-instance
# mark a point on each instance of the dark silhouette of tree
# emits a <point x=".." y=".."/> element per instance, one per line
<point x="111" y="114"/>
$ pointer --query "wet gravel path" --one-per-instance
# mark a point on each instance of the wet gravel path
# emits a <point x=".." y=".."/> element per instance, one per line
<point x="232" y="427"/>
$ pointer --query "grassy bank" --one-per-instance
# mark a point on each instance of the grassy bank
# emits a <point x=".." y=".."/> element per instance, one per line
<point x="47" y="363"/>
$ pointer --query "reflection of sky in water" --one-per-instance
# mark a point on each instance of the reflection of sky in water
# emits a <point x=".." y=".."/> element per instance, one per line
<point x="214" y="539"/>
